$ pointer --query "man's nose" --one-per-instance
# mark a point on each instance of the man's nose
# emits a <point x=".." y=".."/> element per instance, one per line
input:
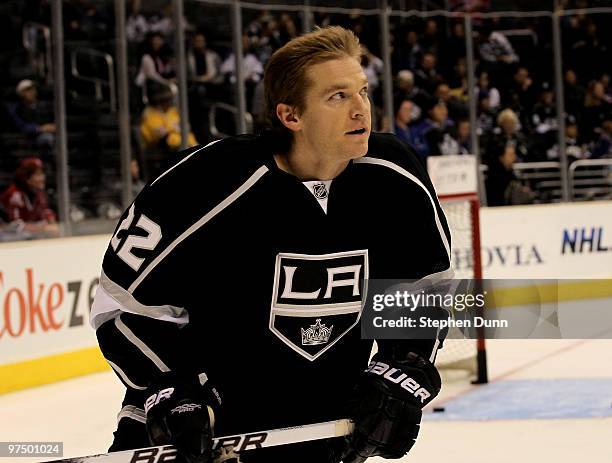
<point x="360" y="107"/>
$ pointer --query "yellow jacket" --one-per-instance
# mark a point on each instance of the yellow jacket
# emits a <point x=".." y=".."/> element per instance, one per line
<point x="157" y="124"/>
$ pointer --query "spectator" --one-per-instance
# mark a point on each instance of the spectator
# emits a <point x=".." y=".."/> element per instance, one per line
<point x="268" y="42"/>
<point x="203" y="64"/>
<point x="407" y="55"/>
<point x="32" y="117"/>
<point x="573" y="148"/>
<point x="463" y="137"/>
<point x="457" y="109"/>
<point x="430" y="39"/>
<point x="498" y="55"/>
<point x="252" y="67"/>
<point x="430" y="134"/>
<point x="26" y="201"/>
<point x="205" y="79"/>
<point x="520" y="95"/>
<point x="426" y="76"/>
<point x="602" y="148"/>
<point x="458" y="80"/>
<point x="403" y="118"/>
<point x="503" y="188"/>
<point x="160" y="127"/>
<point x="485" y="123"/>
<point x="252" y="70"/>
<point x="573" y="92"/>
<point x="255" y="28"/>
<point x="484" y="85"/>
<point x="137" y="25"/>
<point x="508" y="132"/>
<point x="407" y="90"/>
<point x="496" y="48"/>
<point x="596" y="110"/>
<point x="544" y="116"/>
<point x="157" y="63"/>
<point x="543" y="123"/>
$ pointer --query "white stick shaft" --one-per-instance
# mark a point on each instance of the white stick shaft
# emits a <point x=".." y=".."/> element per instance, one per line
<point x="239" y="442"/>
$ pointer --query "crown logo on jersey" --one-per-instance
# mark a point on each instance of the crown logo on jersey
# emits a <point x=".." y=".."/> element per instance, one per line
<point x="316" y="334"/>
<point x="320" y="191"/>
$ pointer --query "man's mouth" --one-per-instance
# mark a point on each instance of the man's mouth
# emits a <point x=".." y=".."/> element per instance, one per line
<point x="356" y="132"/>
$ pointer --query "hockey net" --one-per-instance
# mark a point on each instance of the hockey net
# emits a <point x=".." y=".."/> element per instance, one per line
<point x="464" y="356"/>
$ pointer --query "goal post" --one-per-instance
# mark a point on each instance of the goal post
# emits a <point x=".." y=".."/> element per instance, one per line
<point x="462" y="214"/>
<point x="455" y="181"/>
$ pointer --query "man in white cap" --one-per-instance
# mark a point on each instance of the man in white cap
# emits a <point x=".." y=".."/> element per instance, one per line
<point x="31" y="116"/>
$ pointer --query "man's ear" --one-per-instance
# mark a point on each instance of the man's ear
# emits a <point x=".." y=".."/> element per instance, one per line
<point x="288" y="117"/>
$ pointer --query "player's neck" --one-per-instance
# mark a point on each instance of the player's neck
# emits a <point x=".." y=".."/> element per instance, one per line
<point x="306" y="166"/>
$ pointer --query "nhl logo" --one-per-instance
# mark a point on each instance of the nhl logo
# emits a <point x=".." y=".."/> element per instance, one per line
<point x="320" y="191"/>
<point x="316" y="334"/>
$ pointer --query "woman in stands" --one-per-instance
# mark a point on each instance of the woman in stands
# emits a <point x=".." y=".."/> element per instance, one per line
<point x="26" y="201"/>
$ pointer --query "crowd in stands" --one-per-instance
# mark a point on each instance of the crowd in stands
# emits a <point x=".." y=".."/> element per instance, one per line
<point x="516" y="117"/>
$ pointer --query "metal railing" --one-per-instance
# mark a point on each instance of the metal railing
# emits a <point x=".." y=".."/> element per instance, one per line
<point x="97" y="81"/>
<point x="544" y="178"/>
<point x="590" y="179"/>
<point x="233" y="110"/>
<point x="40" y="59"/>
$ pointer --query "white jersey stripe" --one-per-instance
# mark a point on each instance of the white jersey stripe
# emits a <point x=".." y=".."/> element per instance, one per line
<point x="213" y="212"/>
<point x="405" y="173"/>
<point x="124" y="377"/>
<point x="135" y="413"/>
<point x="146" y="350"/>
<point x="183" y="160"/>
<point x="111" y="299"/>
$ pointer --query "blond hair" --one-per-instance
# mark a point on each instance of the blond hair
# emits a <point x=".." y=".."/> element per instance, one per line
<point x="507" y="115"/>
<point x="285" y="78"/>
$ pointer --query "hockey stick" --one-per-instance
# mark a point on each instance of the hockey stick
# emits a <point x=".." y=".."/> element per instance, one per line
<point x="240" y="442"/>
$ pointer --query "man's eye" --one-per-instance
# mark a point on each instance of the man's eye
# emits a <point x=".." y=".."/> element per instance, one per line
<point x="338" y="96"/>
<point x="364" y="91"/>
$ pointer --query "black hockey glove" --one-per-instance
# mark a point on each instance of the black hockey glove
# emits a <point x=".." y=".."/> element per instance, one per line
<point x="386" y="406"/>
<point x="180" y="411"/>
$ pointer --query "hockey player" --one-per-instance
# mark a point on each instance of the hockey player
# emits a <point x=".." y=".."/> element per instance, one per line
<point x="232" y="288"/>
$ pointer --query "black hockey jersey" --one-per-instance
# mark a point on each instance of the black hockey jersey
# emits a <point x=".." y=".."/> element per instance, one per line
<point x="227" y="265"/>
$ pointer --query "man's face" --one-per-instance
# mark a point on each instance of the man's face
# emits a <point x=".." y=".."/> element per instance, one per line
<point x="335" y="121"/>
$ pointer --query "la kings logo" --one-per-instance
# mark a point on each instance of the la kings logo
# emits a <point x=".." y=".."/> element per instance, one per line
<point x="317" y="299"/>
